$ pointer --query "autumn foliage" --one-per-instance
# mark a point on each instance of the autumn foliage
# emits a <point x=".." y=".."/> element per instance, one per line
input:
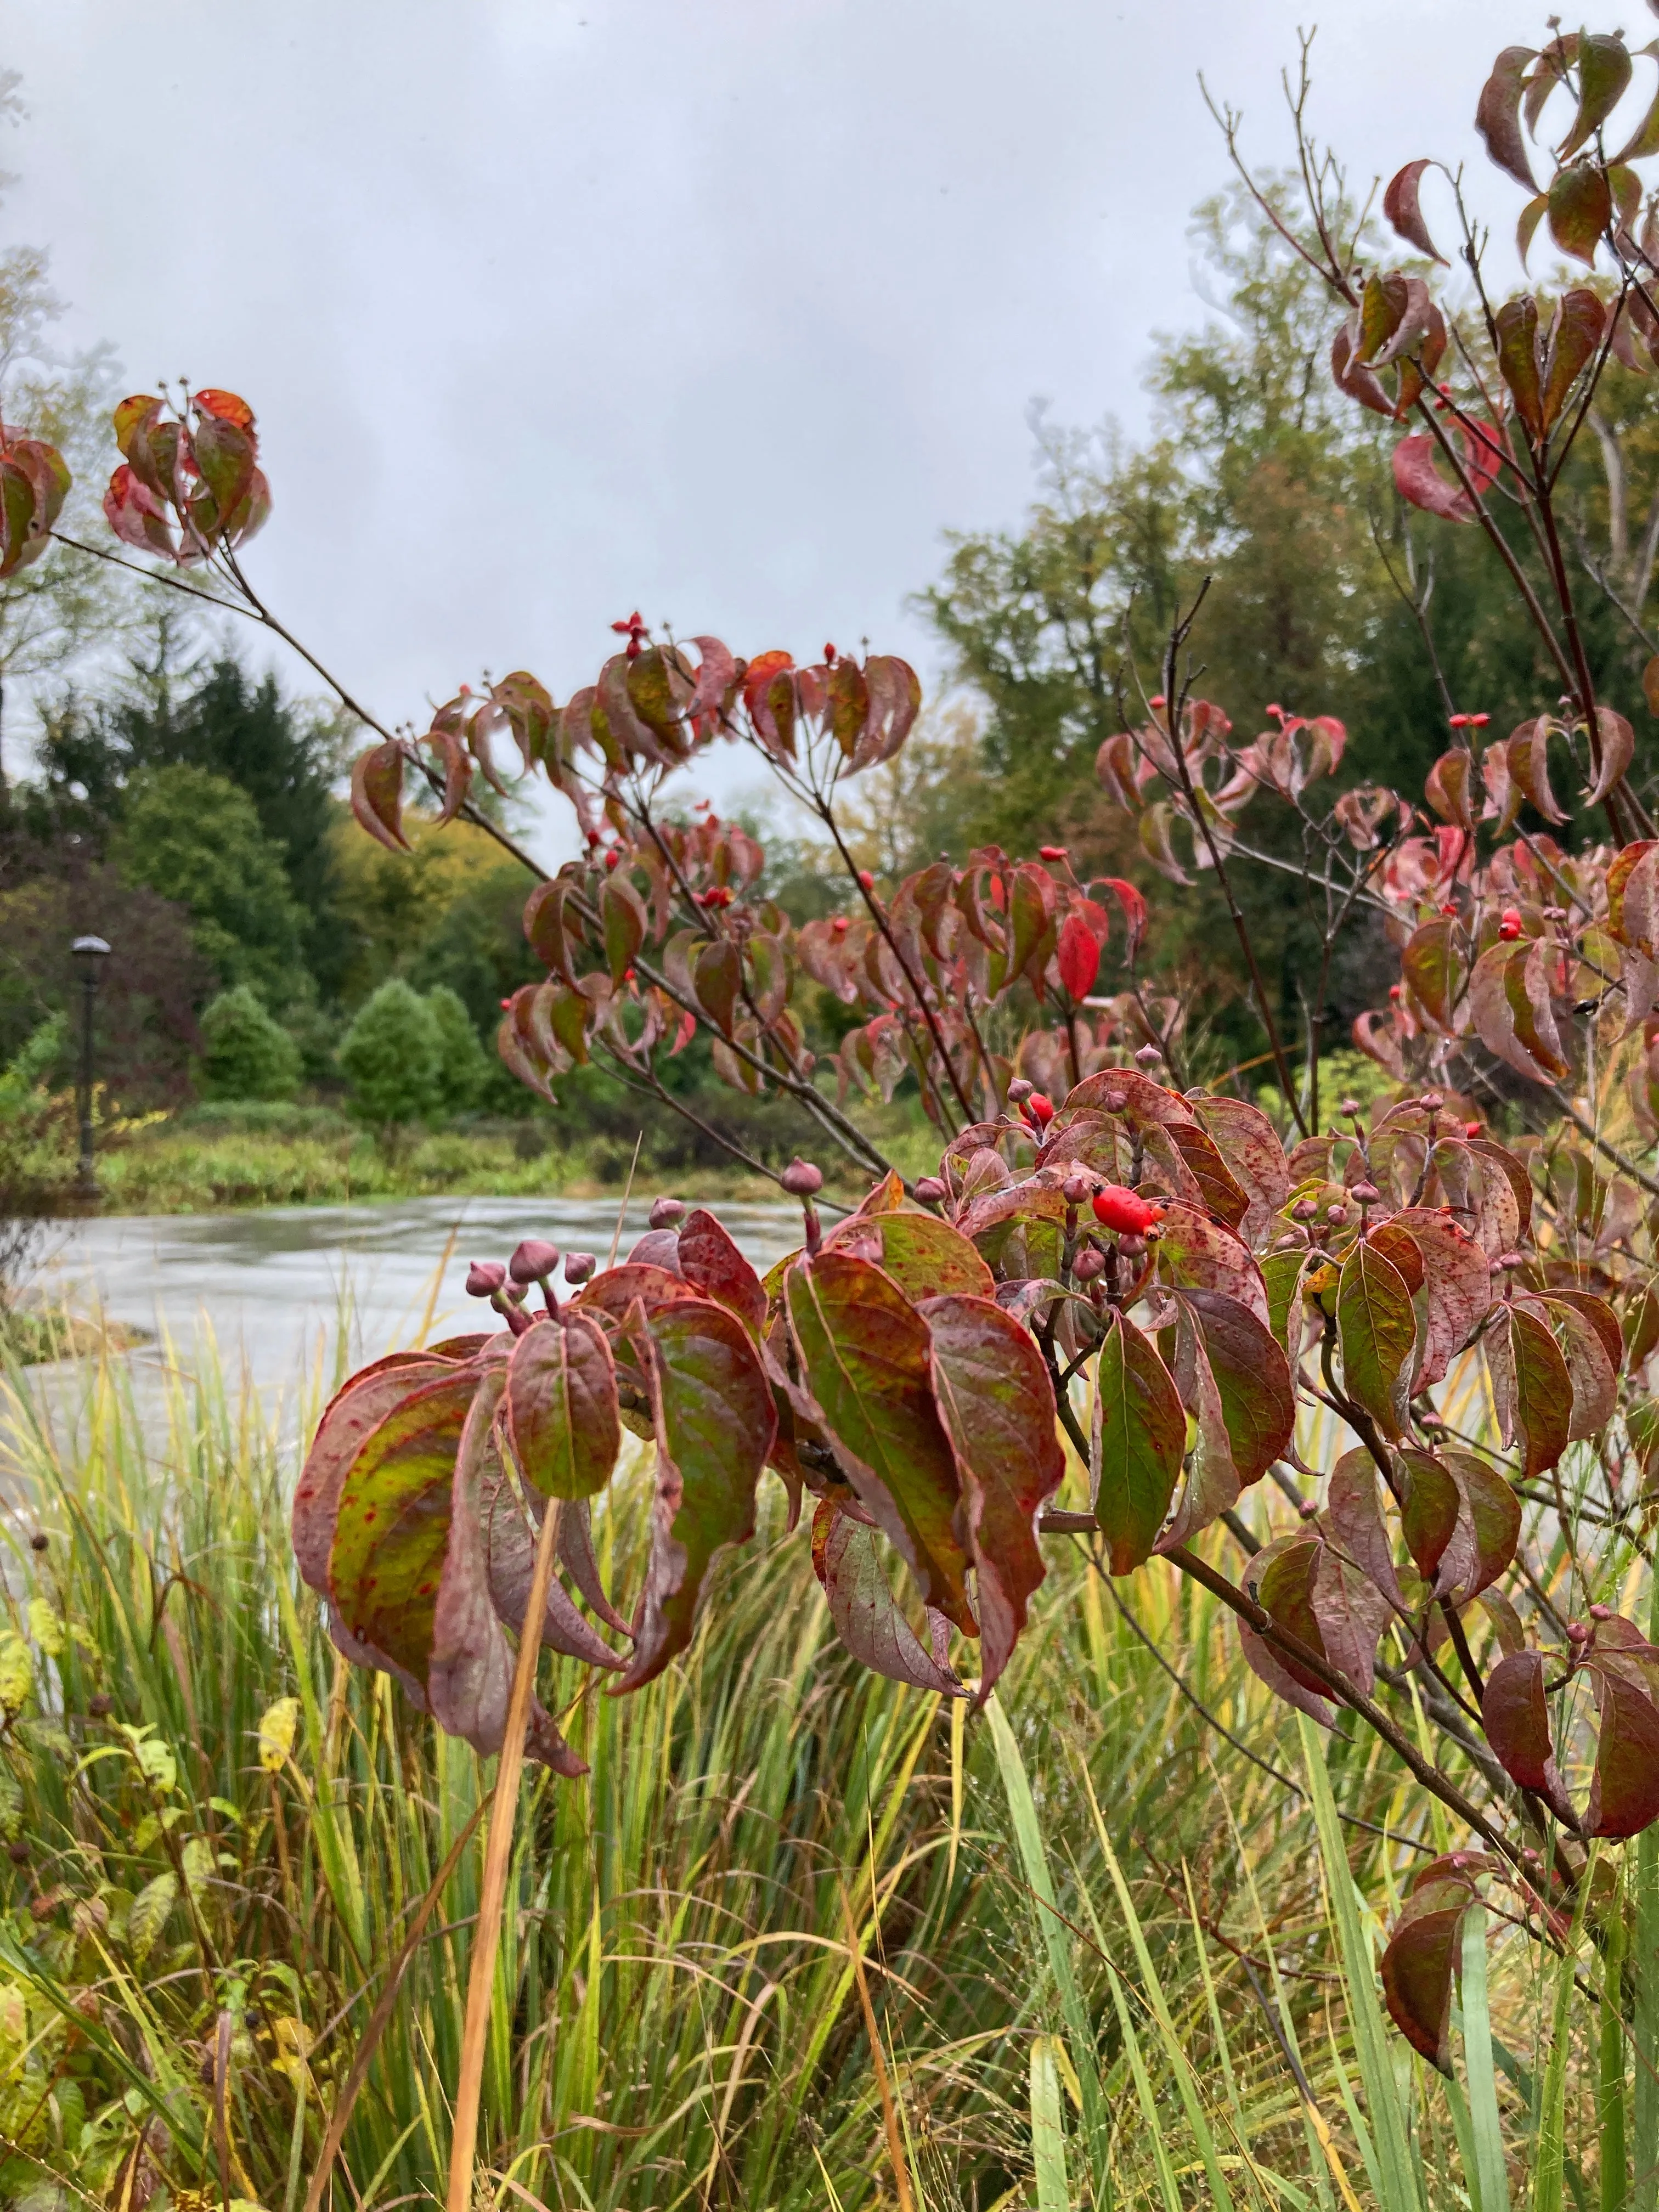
<point x="1146" y="1279"/>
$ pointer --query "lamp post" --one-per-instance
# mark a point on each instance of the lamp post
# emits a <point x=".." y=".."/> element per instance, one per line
<point x="88" y="952"/>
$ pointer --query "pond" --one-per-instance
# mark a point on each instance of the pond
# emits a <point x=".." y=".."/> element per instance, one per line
<point x="271" y="1291"/>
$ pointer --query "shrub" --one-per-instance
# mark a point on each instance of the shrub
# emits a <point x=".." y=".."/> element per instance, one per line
<point x="245" y="1054"/>
<point x="463" y="1068"/>
<point x="391" y="1056"/>
<point x="1110" y="1248"/>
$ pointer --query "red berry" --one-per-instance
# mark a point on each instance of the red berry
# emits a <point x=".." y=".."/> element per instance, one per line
<point x="1509" y="926"/>
<point x="866" y="881"/>
<point x="612" y="857"/>
<point x="841" y="924"/>
<point x="830" y="656"/>
<point x="1471" y="1128"/>
<point x="1040" y="1109"/>
<point x="1054" y="852"/>
<point x="1117" y="1206"/>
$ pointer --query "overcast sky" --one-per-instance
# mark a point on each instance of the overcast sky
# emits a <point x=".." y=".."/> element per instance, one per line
<point x="727" y="309"/>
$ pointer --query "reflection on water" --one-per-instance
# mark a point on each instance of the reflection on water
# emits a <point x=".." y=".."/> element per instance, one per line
<point x="275" y="1287"/>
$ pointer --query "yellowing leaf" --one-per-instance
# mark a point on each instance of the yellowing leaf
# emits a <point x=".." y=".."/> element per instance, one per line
<point x="148" y="1915"/>
<point x="16" y="1672"/>
<point x="279" y="1725"/>
<point x="47" y="1628"/>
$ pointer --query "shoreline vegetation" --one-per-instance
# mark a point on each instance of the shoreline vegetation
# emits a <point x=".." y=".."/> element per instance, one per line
<point x="226" y="1157"/>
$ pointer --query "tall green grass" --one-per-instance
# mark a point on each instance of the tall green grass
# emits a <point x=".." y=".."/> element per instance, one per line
<point x="802" y="1939"/>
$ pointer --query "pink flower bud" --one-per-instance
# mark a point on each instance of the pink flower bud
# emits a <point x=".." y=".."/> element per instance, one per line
<point x="1019" y="1090"/>
<point x="801" y="1179"/>
<point x="1365" y="1194"/>
<point x="578" y="1266"/>
<point x="1303" y="1210"/>
<point x="1148" y="1056"/>
<point x="1338" y="1214"/>
<point x="666" y="1212"/>
<point x="1115" y="1101"/>
<point x="1351" y="1108"/>
<point x="534" y="1261"/>
<point x="1431" y="1101"/>
<point x="930" y="1190"/>
<point x="1089" y="1264"/>
<point x="484" y="1278"/>
<point x="1075" y="1189"/>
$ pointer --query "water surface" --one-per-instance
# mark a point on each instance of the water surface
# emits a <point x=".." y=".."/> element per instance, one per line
<point x="274" y="1288"/>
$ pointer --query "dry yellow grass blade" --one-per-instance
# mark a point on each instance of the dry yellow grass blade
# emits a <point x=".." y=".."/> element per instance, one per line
<point x="498" y="1852"/>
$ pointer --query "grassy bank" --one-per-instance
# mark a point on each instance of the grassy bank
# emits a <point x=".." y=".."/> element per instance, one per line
<point x="220" y="1839"/>
<point x="208" y="1158"/>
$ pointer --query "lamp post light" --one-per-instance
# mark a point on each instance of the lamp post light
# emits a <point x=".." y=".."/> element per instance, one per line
<point x="90" y="952"/>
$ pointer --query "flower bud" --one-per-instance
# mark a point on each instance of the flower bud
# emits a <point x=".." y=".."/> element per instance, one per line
<point x="930" y="1190"/>
<point x="1601" y="1613"/>
<point x="1089" y="1264"/>
<point x="1364" y="1194"/>
<point x="1431" y="1102"/>
<point x="484" y="1278"/>
<point x="801" y="1179"/>
<point x="1075" y="1189"/>
<point x="1577" y="1633"/>
<point x="1150" y="1056"/>
<point x="666" y="1212"/>
<point x="1115" y="1101"/>
<point x="534" y="1261"/>
<point x="578" y="1266"/>
<point x="1351" y="1108"/>
<point x="1511" y="1261"/>
<point x="1338" y="1214"/>
<point x="1019" y="1090"/>
<point x="1305" y="1209"/>
<point x="1131" y="1247"/>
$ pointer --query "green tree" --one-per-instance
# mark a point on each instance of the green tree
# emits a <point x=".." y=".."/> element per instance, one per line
<point x="195" y="837"/>
<point x="172" y="710"/>
<point x="463" y="1069"/>
<point x="391" y="1056"/>
<point x="245" y="1054"/>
